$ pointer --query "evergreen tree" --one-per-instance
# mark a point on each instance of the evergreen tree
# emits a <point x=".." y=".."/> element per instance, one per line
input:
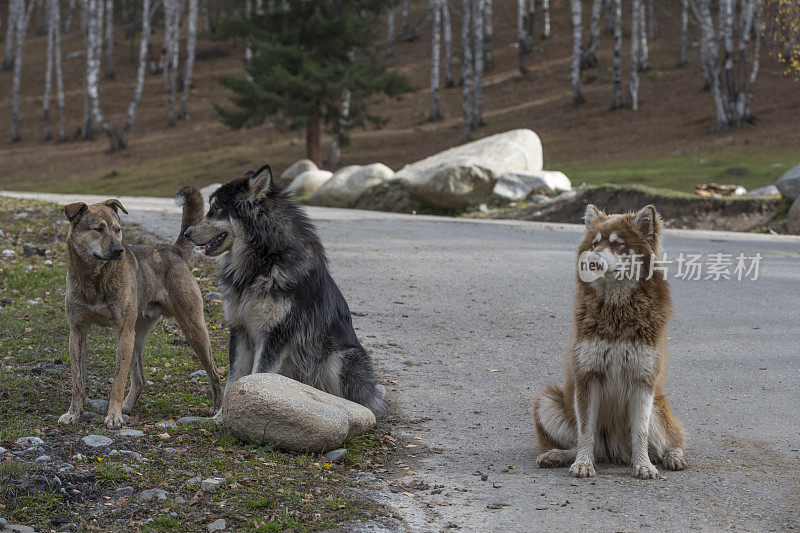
<point x="306" y="55"/>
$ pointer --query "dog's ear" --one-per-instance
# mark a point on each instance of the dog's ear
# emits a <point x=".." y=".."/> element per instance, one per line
<point x="261" y="182"/>
<point x="648" y="222"/>
<point x="592" y="214"/>
<point x="74" y="211"/>
<point x="115" y="204"/>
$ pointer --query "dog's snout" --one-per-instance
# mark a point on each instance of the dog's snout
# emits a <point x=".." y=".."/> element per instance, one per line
<point x="116" y="251"/>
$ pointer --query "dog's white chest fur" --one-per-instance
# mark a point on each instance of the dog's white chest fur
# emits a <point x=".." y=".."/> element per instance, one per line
<point x="255" y="312"/>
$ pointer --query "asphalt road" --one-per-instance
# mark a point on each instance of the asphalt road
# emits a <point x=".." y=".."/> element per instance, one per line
<point x="467" y="319"/>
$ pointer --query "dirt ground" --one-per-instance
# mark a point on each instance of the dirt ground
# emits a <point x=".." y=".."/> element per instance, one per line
<point x="674" y="119"/>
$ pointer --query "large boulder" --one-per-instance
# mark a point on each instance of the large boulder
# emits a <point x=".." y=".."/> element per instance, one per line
<point x="390" y="196"/>
<point x="769" y="190"/>
<point x="295" y="169"/>
<point x="270" y="408"/>
<point x="518" y="185"/>
<point x="309" y="181"/>
<point x="460" y="176"/>
<point x="350" y="182"/>
<point x="789" y="184"/>
<point x="793" y="218"/>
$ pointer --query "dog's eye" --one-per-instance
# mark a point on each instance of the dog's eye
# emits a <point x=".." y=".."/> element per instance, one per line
<point x="99" y="229"/>
<point x="117" y="230"/>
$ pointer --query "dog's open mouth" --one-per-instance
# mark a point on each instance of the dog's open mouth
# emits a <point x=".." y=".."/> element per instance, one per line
<point x="212" y="245"/>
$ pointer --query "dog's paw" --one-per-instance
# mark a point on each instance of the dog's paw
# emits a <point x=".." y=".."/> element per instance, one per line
<point x="554" y="458"/>
<point x="114" y="420"/>
<point x="674" y="459"/>
<point x="217" y="417"/>
<point x="69" y="417"/>
<point x="645" y="471"/>
<point x="127" y="406"/>
<point x="582" y="469"/>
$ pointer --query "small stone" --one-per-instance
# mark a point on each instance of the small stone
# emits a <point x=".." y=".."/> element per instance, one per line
<point x="17" y="528"/>
<point x="32" y="302"/>
<point x="217" y="525"/>
<point x="192" y="420"/>
<point x="123" y="491"/>
<point x="3" y="522"/>
<point x="48" y="262"/>
<point x="29" y="441"/>
<point x="199" y="374"/>
<point x="149" y="494"/>
<point x="214" y="296"/>
<point x="69" y="526"/>
<point x="9" y="253"/>
<point x="164" y="424"/>
<point x="149" y="382"/>
<point x="211" y="484"/>
<point x="180" y="500"/>
<point x="193" y="482"/>
<point x="483" y="208"/>
<point x="335" y="456"/>
<point x="96" y="441"/>
<point x="43" y="459"/>
<point x="2" y="234"/>
<point x="130" y="433"/>
<point x="100" y="406"/>
<point x="2" y="450"/>
<point x="22" y="215"/>
<point x="164" y="436"/>
<point x="29" y="250"/>
<point x="134" y="456"/>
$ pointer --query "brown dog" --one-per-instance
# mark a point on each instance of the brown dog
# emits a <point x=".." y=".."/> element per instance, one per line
<point x="127" y="288"/>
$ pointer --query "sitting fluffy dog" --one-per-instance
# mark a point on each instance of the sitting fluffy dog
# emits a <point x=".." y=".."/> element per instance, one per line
<point x="612" y="405"/>
<point x="285" y="312"/>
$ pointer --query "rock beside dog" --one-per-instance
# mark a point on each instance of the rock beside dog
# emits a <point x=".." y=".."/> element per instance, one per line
<point x="461" y="176"/>
<point x="793" y="218"/>
<point x="297" y="168"/>
<point x="789" y="183"/>
<point x="350" y="182"/>
<point x="518" y="185"/>
<point x="270" y="408"/>
<point x="309" y="181"/>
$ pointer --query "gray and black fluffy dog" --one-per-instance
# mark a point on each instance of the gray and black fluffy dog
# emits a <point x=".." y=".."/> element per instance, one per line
<point x="285" y="312"/>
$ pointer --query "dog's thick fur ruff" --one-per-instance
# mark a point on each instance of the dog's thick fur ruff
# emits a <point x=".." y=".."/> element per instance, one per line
<point x="611" y="406"/>
<point x="285" y="312"/>
<point x="127" y="288"/>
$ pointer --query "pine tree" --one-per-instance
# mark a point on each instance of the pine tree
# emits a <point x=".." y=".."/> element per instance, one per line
<point x="305" y="54"/>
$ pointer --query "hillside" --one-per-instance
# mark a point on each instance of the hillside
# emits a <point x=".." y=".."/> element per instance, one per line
<point x="667" y="143"/>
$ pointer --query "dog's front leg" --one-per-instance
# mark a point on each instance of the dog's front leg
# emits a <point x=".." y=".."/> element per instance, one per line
<point x="640" y="407"/>
<point x="587" y="404"/>
<point x="77" y="359"/>
<point x="125" y="342"/>
<point x="268" y="351"/>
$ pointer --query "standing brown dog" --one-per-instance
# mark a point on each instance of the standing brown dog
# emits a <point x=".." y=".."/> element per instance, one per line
<point x="128" y="288"/>
<point x="612" y="405"/>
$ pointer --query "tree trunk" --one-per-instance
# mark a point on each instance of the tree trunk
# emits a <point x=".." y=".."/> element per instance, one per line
<point x="435" y="54"/>
<point x="390" y="33"/>
<point x="522" y="36"/>
<point x="477" y="42"/>
<point x="173" y="60"/>
<point x="204" y="15"/>
<point x="8" y="60"/>
<point x="617" y="74"/>
<point x="248" y="52"/>
<point x="636" y="37"/>
<point x="488" y="32"/>
<point x="447" y="30"/>
<point x="608" y="17"/>
<point x="191" y="45"/>
<point x="529" y="20"/>
<point x="589" y="57"/>
<point x="577" y="51"/>
<point x="41" y="24"/>
<point x="404" y="15"/>
<point x="644" y="51"/>
<point x="313" y="136"/>
<point x="653" y="26"/>
<point x="70" y="14"/>
<point x="684" y="39"/>
<point x="93" y="52"/>
<point x="109" y="42"/>
<point x="137" y="91"/>
<point x="546" y="15"/>
<point x="21" y="26"/>
<point x="756" y="60"/>
<point x="62" y="116"/>
<point x="727" y="13"/>
<point x="711" y="55"/>
<point x="466" y="66"/>
<point x="336" y="141"/>
<point x="48" y="72"/>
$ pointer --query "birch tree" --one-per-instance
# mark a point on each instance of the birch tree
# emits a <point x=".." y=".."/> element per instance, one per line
<point x="435" y="54"/>
<point x="577" y="51"/>
<point x="546" y="17"/>
<point x="48" y="73"/>
<point x="523" y="46"/>
<point x="191" y="46"/>
<point x="11" y="24"/>
<point x="55" y="21"/>
<point x="529" y="19"/>
<point x="390" y="33"/>
<point x="21" y="26"/>
<point x="644" y="50"/>
<point x="109" y="40"/>
<point x="173" y="51"/>
<point x="140" y="72"/>
<point x="404" y="15"/>
<point x="447" y="31"/>
<point x="488" y="31"/>
<point x="466" y="66"/>
<point x="70" y="14"/>
<point x="636" y="36"/>
<point x="477" y="42"/>
<point x="617" y="68"/>
<point x="95" y="19"/>
<point x="684" y="37"/>
<point x="589" y="57"/>
<point x="336" y="140"/>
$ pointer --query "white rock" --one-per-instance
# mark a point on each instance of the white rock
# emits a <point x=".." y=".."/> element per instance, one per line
<point x="149" y="494"/>
<point x="29" y="441"/>
<point x="2" y="450"/>
<point x="130" y="433"/>
<point x="309" y="181"/>
<point x="273" y="408"/>
<point x="208" y="190"/>
<point x="518" y="185"/>
<point x="769" y="190"/>
<point x="217" y="525"/>
<point x="7" y="253"/>
<point x="789" y="183"/>
<point x="166" y="424"/>
<point x="350" y="182"/>
<point x="96" y="441"/>
<point x="199" y="374"/>
<point x="48" y="262"/>
<point x="793" y="218"/>
<point x="297" y="168"/>
<point x="192" y="420"/>
<point x="461" y="175"/>
<point x="739" y="191"/>
<point x="211" y="484"/>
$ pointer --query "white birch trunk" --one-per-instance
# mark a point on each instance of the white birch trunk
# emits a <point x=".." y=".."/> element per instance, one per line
<point x="546" y="16"/>
<point x="191" y="46"/>
<point x="84" y="16"/>
<point x="404" y="15"/>
<point x="259" y="7"/>
<point x="248" y="52"/>
<point x="477" y="42"/>
<point x="140" y="71"/>
<point x="21" y="26"/>
<point x="447" y="31"/>
<point x="727" y="13"/>
<point x="466" y="66"/>
<point x="644" y="51"/>
<point x="70" y="14"/>
<point x="711" y="47"/>
<point x="8" y="59"/>
<point x="594" y="32"/>
<point x="205" y="16"/>
<point x="617" y="68"/>
<point x="109" y="41"/>
<point x="390" y="33"/>
<point x="653" y="25"/>
<point x="756" y="61"/>
<point x="41" y="26"/>
<point x="94" y="21"/>
<point x="608" y="17"/>
<point x="435" y="54"/>
<point x="529" y="20"/>
<point x="488" y="31"/>
<point x="577" y="51"/>
<point x="636" y="36"/>
<point x="523" y="46"/>
<point x="173" y="61"/>
<point x="56" y="22"/>
<point x="48" y="72"/>
<point x="684" y="38"/>
<point x="336" y="141"/>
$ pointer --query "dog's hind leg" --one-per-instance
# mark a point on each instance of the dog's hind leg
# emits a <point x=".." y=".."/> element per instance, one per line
<point x="194" y="329"/>
<point x="143" y="328"/>
<point x="666" y="436"/>
<point x="358" y="381"/>
<point x="555" y="428"/>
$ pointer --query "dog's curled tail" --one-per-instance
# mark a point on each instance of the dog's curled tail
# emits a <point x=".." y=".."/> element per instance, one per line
<point x="192" y="202"/>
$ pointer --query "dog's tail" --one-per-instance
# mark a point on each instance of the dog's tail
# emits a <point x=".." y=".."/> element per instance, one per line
<point x="358" y="382"/>
<point x="192" y="202"/>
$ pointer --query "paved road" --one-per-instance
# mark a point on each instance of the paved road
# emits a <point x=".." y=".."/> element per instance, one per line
<point x="467" y="319"/>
